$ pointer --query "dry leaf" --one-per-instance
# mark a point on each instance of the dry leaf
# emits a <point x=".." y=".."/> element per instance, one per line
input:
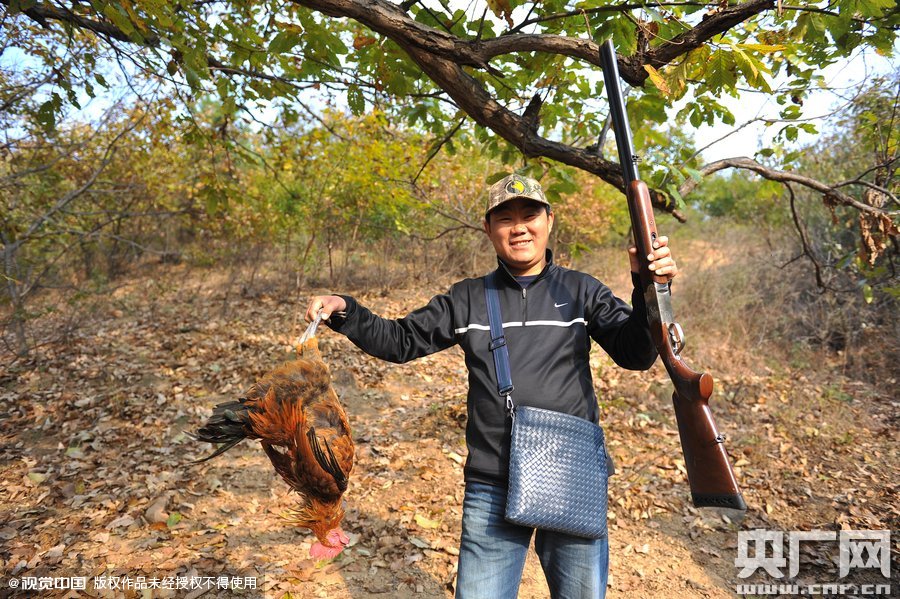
<point x="156" y="512"/>
<point x="426" y="522"/>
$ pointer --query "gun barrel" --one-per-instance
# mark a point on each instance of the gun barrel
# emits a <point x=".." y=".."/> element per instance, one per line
<point x="627" y="157"/>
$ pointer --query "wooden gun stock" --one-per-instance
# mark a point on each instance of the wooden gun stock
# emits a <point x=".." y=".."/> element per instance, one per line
<point x="709" y="472"/>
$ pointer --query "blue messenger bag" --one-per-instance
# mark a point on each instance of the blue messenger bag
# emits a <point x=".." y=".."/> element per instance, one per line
<point x="557" y="463"/>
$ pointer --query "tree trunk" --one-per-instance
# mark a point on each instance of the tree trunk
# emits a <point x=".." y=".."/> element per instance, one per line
<point x="17" y="302"/>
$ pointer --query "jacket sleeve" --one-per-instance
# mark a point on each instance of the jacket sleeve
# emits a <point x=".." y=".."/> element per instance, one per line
<point x="424" y="331"/>
<point x="622" y="330"/>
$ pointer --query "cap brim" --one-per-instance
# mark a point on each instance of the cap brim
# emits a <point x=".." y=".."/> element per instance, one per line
<point x="517" y="197"/>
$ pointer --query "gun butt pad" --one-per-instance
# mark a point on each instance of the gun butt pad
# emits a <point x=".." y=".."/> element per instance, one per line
<point x="733" y="501"/>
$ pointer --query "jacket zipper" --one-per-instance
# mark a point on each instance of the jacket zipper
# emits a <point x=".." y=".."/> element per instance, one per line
<point x="524" y="291"/>
<point x="524" y="306"/>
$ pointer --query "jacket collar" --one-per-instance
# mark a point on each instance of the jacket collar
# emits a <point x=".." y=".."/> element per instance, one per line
<point x="509" y="278"/>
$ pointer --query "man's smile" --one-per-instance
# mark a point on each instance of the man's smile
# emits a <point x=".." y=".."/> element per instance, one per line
<point x="519" y="230"/>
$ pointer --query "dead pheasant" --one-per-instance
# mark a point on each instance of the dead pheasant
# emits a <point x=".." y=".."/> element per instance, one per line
<point x="296" y="415"/>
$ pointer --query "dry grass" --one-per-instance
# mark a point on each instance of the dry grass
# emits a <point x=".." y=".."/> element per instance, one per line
<point x="747" y="307"/>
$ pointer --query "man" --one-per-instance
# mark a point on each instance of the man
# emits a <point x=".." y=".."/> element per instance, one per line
<point x="550" y="316"/>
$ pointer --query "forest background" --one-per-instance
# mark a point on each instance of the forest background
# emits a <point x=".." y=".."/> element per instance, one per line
<point x="177" y="179"/>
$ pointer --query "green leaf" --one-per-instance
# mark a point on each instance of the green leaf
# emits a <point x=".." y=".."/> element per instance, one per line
<point x="46" y="115"/>
<point x="195" y="58"/>
<point x="762" y="82"/>
<point x="873" y="8"/>
<point x="867" y="293"/>
<point x="74" y="452"/>
<point x="284" y="42"/>
<point x="173" y="519"/>
<point x="673" y="191"/>
<point x="676" y="174"/>
<point x="37" y="477"/>
<point x="562" y="186"/>
<point x="621" y="30"/>
<point x="746" y="64"/>
<point x="816" y="24"/>
<point x="721" y="70"/>
<point x="791" y="112"/>
<point x="355" y="99"/>
<point x="112" y="12"/>
<point x="192" y="78"/>
<point x="840" y="25"/>
<point x="694" y="174"/>
<point x="696" y="117"/>
<point x="73" y="98"/>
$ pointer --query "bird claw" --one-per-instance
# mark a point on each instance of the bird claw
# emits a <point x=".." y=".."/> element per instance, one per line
<point x="311" y="329"/>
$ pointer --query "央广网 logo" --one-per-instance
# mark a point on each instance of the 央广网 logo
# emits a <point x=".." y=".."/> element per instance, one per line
<point x="762" y="549"/>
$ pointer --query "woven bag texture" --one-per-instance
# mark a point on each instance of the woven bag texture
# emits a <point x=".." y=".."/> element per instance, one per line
<point x="557" y="473"/>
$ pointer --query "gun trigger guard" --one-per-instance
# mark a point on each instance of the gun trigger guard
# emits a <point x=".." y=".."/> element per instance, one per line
<point x="676" y="336"/>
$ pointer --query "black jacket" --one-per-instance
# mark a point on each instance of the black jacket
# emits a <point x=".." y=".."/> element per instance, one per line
<point x="548" y="328"/>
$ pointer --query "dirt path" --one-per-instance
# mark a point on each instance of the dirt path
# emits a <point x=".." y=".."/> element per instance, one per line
<point x="96" y="479"/>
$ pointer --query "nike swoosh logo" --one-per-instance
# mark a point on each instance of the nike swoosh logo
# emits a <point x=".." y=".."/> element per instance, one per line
<point x="555" y="305"/>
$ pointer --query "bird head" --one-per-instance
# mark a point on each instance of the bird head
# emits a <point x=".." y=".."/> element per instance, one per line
<point x="331" y="545"/>
<point x="324" y="520"/>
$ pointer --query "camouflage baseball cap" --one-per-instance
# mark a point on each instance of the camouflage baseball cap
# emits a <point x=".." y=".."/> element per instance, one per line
<point x="512" y="187"/>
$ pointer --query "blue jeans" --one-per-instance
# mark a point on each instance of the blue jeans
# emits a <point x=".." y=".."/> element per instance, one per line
<point x="492" y="553"/>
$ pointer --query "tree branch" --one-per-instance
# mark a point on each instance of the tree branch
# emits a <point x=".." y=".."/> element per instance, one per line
<point x="75" y="193"/>
<point x="829" y="191"/>
<point x="632" y="68"/>
<point x="109" y="30"/>
<point x="442" y="233"/>
<point x="437" y="148"/>
<point x="635" y="6"/>
<point x="440" y="61"/>
<point x="444" y="58"/>
<point x="600" y="9"/>
<point x="49" y="12"/>
<point x="806" y="249"/>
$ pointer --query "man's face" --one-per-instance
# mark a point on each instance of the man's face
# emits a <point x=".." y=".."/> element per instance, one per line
<point x="519" y="230"/>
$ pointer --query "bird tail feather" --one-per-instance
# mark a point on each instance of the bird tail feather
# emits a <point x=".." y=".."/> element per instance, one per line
<point x="226" y="426"/>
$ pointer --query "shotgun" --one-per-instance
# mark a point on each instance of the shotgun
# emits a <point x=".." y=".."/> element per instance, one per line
<point x="709" y="471"/>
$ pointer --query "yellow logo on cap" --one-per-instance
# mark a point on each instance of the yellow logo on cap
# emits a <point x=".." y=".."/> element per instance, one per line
<point x="515" y="186"/>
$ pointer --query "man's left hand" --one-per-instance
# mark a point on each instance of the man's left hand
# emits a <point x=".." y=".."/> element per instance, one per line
<point x="661" y="261"/>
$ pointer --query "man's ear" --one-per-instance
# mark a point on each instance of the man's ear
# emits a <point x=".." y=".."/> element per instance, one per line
<point x="550" y="224"/>
<point x="486" y="226"/>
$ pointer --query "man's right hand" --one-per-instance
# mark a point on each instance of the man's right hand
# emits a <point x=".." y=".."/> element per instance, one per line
<point x="327" y="304"/>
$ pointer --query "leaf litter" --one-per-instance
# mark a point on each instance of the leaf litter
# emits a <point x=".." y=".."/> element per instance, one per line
<point x="97" y="479"/>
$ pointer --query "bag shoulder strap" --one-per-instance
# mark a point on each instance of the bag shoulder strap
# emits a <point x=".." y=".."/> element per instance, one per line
<point x="498" y="341"/>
